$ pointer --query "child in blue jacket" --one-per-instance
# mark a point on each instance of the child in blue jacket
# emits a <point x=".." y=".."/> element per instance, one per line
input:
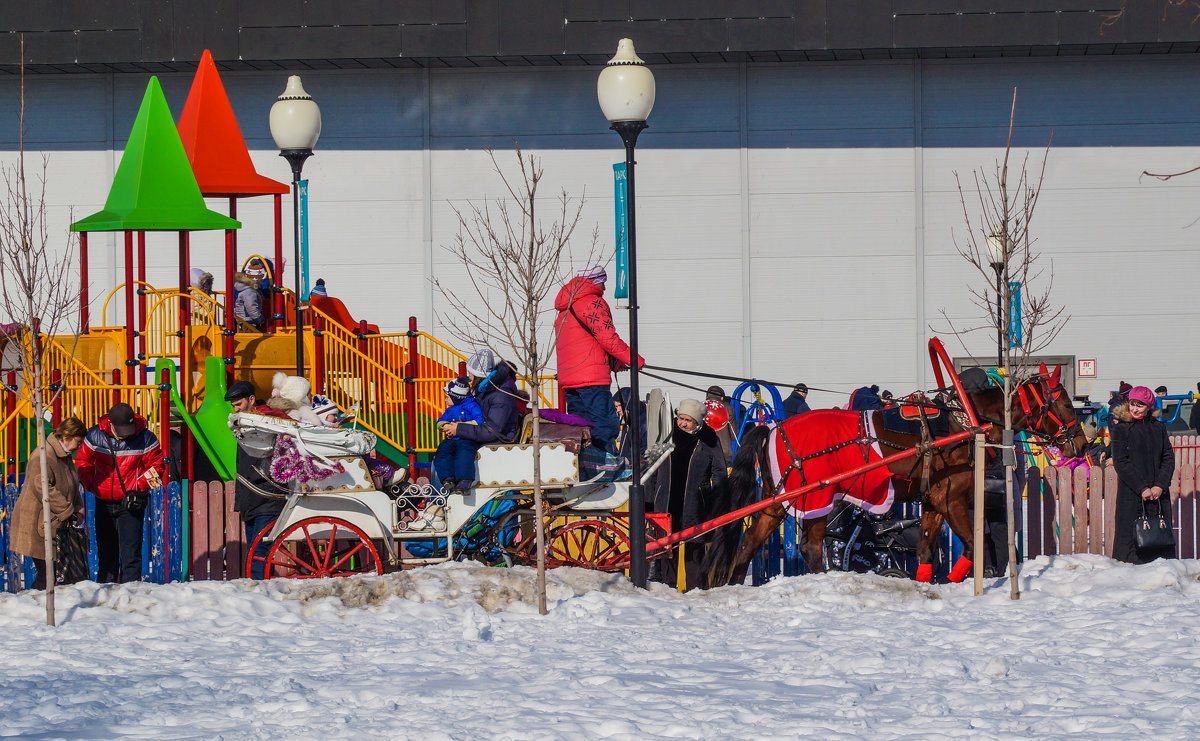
<point x="454" y="461"/>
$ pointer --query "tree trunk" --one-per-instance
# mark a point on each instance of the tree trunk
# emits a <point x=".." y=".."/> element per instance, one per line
<point x="39" y="411"/>
<point x="539" y="515"/>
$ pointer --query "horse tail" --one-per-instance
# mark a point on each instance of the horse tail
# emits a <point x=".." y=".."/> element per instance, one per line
<point x="740" y="490"/>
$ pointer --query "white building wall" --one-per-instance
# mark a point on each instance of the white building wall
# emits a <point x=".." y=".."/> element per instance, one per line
<point x="794" y="222"/>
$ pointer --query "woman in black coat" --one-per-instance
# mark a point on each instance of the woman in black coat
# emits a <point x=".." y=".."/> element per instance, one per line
<point x="684" y="487"/>
<point x="1144" y="461"/>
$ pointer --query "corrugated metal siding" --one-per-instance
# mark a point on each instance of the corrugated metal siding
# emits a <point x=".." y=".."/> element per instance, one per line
<point x="833" y="190"/>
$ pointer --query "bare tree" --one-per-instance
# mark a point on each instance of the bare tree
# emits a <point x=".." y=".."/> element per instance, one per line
<point x="37" y="296"/>
<point x="513" y="261"/>
<point x="998" y="243"/>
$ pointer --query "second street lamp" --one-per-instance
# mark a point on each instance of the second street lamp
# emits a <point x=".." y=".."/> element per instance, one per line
<point x="625" y="90"/>
<point x="295" y="127"/>
<point x="998" y="257"/>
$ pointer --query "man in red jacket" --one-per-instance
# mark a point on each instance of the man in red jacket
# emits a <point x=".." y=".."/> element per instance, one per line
<point x="120" y="461"/>
<point x="589" y="350"/>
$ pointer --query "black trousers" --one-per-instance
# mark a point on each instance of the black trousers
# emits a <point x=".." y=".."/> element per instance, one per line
<point x="118" y="542"/>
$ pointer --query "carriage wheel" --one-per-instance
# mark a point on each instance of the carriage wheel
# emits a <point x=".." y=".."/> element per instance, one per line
<point x="589" y="544"/>
<point x="344" y="550"/>
<point x="894" y="573"/>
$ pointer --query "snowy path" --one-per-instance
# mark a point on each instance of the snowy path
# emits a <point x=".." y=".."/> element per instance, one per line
<point x="458" y="652"/>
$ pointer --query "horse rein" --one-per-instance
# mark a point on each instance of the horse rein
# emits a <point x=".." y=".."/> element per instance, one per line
<point x="1037" y="403"/>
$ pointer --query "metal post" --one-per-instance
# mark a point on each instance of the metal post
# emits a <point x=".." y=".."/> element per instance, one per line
<point x="230" y="320"/>
<point x="295" y="158"/>
<point x="276" y="281"/>
<point x="1000" y="323"/>
<point x="141" y="292"/>
<point x="629" y="130"/>
<point x="130" y="359"/>
<point x="83" y="283"/>
<point x="164" y="436"/>
<point x="185" y="320"/>
<point x="318" y="355"/>
<point x="57" y="407"/>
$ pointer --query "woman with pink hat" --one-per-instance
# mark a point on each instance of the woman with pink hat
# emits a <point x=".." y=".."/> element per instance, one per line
<point x="1144" y="461"/>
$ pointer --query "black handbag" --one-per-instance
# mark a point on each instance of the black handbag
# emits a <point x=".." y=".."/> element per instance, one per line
<point x="133" y="501"/>
<point x="71" y="555"/>
<point x="1152" y="530"/>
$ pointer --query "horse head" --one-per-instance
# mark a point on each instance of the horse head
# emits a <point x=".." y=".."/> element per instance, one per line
<point x="1044" y="408"/>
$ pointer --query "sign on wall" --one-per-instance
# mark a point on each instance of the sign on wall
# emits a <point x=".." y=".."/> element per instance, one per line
<point x="1086" y="368"/>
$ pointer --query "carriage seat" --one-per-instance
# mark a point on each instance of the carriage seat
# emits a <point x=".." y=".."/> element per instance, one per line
<point x="256" y="433"/>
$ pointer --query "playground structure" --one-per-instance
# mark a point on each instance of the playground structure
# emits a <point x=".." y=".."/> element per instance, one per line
<point x="191" y="340"/>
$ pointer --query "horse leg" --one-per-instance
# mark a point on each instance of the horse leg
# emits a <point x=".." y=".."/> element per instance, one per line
<point x="812" y="544"/>
<point x="931" y="525"/>
<point x="758" y="532"/>
<point x="958" y="517"/>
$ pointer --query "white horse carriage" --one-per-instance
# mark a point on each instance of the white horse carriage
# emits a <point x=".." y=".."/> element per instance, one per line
<point x="337" y="523"/>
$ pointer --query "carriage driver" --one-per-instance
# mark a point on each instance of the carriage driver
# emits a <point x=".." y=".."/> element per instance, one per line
<point x="257" y="498"/>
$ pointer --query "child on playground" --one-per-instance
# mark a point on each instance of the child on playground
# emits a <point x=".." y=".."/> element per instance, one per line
<point x="454" y="461"/>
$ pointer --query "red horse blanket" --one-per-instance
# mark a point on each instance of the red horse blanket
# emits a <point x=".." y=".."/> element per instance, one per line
<point x="819" y="430"/>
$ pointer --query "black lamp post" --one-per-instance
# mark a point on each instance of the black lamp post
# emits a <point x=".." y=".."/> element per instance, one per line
<point x="998" y="256"/>
<point x="296" y="126"/>
<point x="625" y="90"/>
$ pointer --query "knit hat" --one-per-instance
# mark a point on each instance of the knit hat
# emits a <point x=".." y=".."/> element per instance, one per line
<point x="323" y="406"/>
<point x="481" y="363"/>
<point x="595" y="274"/>
<point x="1142" y="394"/>
<point x="693" y="409"/>
<point x="1124" y="388"/>
<point x="319" y="288"/>
<point x="800" y="388"/>
<point x="458" y="390"/>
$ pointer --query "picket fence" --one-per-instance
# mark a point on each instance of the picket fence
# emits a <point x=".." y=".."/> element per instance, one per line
<point x="1065" y="512"/>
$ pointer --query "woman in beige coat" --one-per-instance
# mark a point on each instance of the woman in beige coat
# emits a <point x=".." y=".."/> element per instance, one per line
<point x="66" y="504"/>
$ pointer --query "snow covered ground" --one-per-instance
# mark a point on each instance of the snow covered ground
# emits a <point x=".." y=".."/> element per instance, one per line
<point x="1093" y="649"/>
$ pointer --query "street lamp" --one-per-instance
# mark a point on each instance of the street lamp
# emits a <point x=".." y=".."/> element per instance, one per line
<point x="625" y="90"/>
<point x="295" y="127"/>
<point x="998" y="257"/>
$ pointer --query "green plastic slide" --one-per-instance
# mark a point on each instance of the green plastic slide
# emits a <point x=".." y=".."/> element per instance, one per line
<point x="210" y="424"/>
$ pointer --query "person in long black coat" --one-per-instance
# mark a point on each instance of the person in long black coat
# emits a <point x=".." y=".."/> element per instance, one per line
<point x="684" y="486"/>
<point x="1145" y="462"/>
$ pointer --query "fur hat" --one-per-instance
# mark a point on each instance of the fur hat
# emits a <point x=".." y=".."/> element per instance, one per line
<point x="693" y="409"/>
<point x="290" y="394"/>
<point x="481" y="363"/>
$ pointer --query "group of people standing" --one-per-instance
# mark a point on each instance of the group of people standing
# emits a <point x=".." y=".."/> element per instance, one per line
<point x="119" y="460"/>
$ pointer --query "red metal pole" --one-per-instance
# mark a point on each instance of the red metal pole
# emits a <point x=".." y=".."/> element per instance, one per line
<point x="164" y="438"/>
<point x="410" y="413"/>
<point x="56" y="388"/>
<point x="141" y="291"/>
<point x="362" y="336"/>
<point x="412" y="342"/>
<point x="116" y="393"/>
<point x="10" y="403"/>
<point x="319" y="354"/>
<point x="131" y="362"/>
<point x="84" y="323"/>
<point x="185" y="320"/>
<point x="938" y="358"/>
<point x="691" y="532"/>
<point x="462" y="368"/>
<point x="230" y="322"/>
<point x="276" y="279"/>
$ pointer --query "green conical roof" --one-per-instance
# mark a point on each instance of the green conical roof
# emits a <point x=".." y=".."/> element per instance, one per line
<point x="154" y="189"/>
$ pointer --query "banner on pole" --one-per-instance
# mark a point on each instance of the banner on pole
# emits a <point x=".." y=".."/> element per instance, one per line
<point x="1014" y="315"/>
<point x="621" y="204"/>
<point x="304" y="281"/>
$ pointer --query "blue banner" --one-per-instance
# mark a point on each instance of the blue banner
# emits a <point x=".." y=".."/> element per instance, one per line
<point x="304" y="281"/>
<point x="1014" y="315"/>
<point x="621" y="204"/>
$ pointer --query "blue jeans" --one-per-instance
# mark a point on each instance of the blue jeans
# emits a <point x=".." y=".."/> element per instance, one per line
<point x="254" y="526"/>
<point x="118" y="542"/>
<point x="595" y="404"/>
<point x="455" y="459"/>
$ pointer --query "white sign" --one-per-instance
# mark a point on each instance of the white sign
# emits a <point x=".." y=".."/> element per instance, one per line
<point x="1086" y="368"/>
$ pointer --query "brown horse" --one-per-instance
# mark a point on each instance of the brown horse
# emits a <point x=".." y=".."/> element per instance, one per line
<point x="940" y="478"/>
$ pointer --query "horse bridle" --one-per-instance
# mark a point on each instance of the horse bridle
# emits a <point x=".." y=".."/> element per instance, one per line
<point x="1037" y="403"/>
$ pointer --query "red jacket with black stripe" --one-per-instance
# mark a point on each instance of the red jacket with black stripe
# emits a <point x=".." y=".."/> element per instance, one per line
<point x="103" y="456"/>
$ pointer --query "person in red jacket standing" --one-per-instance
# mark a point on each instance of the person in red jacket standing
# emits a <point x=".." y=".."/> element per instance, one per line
<point x="120" y="460"/>
<point x="589" y="351"/>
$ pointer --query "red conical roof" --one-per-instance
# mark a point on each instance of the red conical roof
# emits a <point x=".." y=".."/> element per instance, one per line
<point x="214" y="143"/>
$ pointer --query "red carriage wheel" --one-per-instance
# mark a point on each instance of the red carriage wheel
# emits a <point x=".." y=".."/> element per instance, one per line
<point x="341" y="549"/>
<point x="589" y="544"/>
